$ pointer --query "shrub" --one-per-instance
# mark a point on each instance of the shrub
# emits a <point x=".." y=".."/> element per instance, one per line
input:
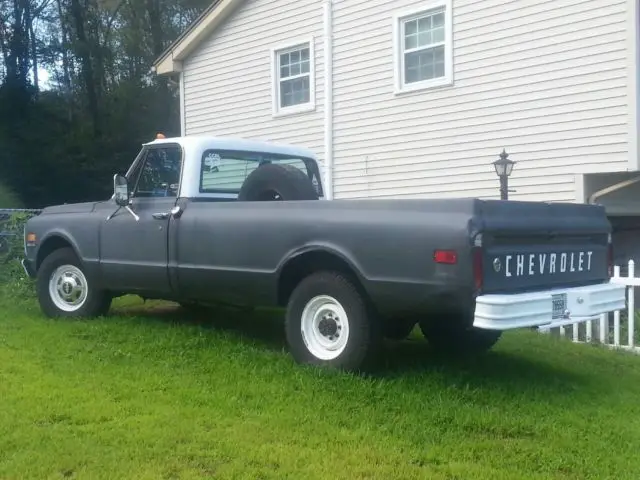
<point x="13" y="279"/>
<point x="8" y="199"/>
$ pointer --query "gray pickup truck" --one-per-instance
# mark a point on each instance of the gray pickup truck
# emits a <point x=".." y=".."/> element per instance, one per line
<point x="202" y="220"/>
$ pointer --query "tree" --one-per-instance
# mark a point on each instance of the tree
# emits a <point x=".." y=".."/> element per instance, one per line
<point x="62" y="141"/>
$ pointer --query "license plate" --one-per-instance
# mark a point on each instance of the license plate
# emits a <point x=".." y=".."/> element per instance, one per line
<point x="559" y="305"/>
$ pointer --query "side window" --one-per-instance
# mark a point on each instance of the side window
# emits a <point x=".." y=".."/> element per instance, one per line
<point x="225" y="171"/>
<point x="160" y="173"/>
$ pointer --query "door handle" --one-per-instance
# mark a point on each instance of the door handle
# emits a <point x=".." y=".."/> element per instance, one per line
<point x="160" y="216"/>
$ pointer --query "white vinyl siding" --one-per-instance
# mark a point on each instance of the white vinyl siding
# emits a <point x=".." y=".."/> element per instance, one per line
<point x="545" y="80"/>
<point x="229" y="81"/>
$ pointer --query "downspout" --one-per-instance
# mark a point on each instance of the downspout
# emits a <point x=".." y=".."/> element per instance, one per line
<point x="328" y="99"/>
<point x="633" y="84"/>
<point x="183" y="127"/>
<point x="617" y="186"/>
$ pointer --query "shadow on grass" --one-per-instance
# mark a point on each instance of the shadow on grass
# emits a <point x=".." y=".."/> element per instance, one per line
<point x="496" y="368"/>
<point x="262" y="327"/>
<point x="411" y="358"/>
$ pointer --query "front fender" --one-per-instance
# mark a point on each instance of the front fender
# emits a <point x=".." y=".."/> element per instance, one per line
<point x="56" y="233"/>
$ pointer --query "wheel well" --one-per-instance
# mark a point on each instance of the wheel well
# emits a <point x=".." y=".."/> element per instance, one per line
<point x="49" y="246"/>
<point x="300" y="267"/>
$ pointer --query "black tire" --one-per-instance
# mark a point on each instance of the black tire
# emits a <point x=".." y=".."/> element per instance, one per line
<point x="97" y="302"/>
<point x="398" y="328"/>
<point x="450" y="336"/>
<point x="277" y="182"/>
<point x="364" y="335"/>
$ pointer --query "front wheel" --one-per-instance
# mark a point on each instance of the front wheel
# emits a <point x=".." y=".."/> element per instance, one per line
<point x="64" y="290"/>
<point x="329" y="324"/>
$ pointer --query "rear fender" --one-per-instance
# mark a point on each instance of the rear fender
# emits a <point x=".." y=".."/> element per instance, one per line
<point x="328" y="248"/>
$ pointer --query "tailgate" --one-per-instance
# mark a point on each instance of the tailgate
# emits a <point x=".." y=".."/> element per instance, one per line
<point x="528" y="246"/>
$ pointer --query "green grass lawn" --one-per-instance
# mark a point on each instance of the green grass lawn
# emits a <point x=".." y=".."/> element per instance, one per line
<point x="153" y="393"/>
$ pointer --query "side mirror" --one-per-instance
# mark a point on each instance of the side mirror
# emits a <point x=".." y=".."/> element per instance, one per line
<point x="121" y="190"/>
<point x="121" y="196"/>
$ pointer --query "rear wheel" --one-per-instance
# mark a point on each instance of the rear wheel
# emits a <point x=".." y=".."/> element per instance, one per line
<point x="65" y="290"/>
<point x="328" y="323"/>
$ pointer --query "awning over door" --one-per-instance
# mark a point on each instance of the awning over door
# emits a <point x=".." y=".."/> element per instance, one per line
<point x="618" y="192"/>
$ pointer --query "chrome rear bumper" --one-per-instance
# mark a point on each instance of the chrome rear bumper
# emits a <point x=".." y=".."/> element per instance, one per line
<point x="548" y="308"/>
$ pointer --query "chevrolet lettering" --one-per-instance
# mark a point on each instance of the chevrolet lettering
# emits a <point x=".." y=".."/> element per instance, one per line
<point x="547" y="263"/>
<point x="202" y="221"/>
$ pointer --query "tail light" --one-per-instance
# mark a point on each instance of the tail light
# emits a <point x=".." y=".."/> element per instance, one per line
<point x="477" y="263"/>
<point x="610" y="257"/>
<point x="477" y="268"/>
<point x="449" y="257"/>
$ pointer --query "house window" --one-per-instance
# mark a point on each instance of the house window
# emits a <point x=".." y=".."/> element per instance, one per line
<point x="294" y="83"/>
<point x="423" y="47"/>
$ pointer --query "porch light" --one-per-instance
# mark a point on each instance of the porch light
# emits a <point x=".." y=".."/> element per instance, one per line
<point x="504" y="167"/>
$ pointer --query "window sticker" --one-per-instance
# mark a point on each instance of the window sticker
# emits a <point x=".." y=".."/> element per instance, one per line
<point x="212" y="162"/>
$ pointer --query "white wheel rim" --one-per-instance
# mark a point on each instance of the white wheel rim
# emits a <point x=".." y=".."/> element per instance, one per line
<point x="325" y="327"/>
<point x="68" y="288"/>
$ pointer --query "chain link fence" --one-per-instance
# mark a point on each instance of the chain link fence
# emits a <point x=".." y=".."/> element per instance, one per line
<point x="11" y="225"/>
<point x="12" y="277"/>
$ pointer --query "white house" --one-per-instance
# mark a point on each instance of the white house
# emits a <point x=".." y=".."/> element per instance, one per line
<point x="406" y="98"/>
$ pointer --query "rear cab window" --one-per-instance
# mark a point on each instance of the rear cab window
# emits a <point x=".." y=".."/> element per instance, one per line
<point x="224" y="171"/>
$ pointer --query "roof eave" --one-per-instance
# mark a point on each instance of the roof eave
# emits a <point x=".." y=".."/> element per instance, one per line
<point x="167" y="66"/>
<point x="171" y="60"/>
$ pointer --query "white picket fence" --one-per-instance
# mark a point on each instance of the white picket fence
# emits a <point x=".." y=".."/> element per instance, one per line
<point x="624" y="329"/>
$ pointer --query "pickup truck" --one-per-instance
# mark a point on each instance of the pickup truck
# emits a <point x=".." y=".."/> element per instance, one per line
<point x="201" y="220"/>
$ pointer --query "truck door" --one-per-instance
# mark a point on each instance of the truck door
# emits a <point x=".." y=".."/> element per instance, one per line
<point x="134" y="252"/>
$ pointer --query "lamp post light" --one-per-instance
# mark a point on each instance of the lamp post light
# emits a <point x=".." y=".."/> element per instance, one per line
<point x="504" y="167"/>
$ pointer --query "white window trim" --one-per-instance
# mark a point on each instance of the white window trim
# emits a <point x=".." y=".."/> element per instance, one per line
<point x="398" y="48"/>
<point x="275" y="78"/>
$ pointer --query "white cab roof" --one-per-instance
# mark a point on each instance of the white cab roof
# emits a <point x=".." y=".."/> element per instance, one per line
<point x="203" y="142"/>
<point x="194" y="146"/>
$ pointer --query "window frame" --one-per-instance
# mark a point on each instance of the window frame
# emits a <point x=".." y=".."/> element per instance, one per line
<point x="138" y="167"/>
<point x="278" y="50"/>
<point x="399" y="20"/>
